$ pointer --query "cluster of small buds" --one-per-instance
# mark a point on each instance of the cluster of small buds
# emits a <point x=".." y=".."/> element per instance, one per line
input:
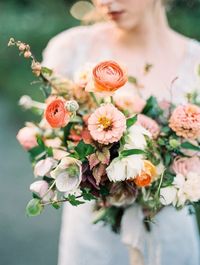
<point x="26" y="102"/>
<point x="23" y="48"/>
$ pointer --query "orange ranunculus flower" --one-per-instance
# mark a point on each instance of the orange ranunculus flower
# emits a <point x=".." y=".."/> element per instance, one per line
<point x="56" y="114"/>
<point x="147" y="175"/>
<point x="108" y="76"/>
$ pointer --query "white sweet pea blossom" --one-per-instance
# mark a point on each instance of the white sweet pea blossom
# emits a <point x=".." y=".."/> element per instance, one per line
<point x="44" y="167"/>
<point x="40" y="188"/>
<point x="125" y="168"/>
<point x="67" y="174"/>
<point x="135" y="139"/>
<point x="192" y="187"/>
<point x="168" y="195"/>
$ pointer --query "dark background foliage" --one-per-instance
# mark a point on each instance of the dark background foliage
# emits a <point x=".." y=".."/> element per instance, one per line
<point x="26" y="241"/>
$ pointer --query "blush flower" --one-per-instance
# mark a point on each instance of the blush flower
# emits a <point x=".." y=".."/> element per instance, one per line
<point x="185" y="121"/>
<point x="149" y="124"/>
<point x="108" y="76"/>
<point x="27" y="137"/>
<point x="184" y="165"/>
<point x="56" y="114"/>
<point x="107" y="124"/>
<point x="133" y="104"/>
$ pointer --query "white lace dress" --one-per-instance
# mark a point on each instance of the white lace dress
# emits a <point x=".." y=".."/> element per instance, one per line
<point x="174" y="239"/>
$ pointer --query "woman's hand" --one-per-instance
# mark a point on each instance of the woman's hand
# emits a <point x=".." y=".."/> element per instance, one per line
<point x="136" y="257"/>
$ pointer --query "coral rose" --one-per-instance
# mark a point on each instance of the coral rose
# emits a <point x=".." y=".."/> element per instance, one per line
<point x="107" y="124"/>
<point x="108" y="76"/>
<point x="149" y="124"/>
<point x="56" y="114"/>
<point x="185" y="121"/>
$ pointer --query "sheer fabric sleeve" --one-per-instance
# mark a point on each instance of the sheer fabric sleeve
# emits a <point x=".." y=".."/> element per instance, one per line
<point x="65" y="52"/>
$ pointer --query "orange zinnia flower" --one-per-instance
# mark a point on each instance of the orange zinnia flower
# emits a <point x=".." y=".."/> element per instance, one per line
<point x="146" y="176"/>
<point x="56" y="114"/>
<point x="108" y="76"/>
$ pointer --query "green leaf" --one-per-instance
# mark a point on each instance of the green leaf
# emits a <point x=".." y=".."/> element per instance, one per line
<point x="83" y="150"/>
<point x="40" y="142"/>
<point x="56" y="205"/>
<point x="129" y="152"/>
<point x="87" y="195"/>
<point x="46" y="71"/>
<point x="133" y="80"/>
<point x="188" y="145"/>
<point x="73" y="200"/>
<point x="104" y="191"/>
<point x="167" y="159"/>
<point x="152" y="108"/>
<point x="131" y="121"/>
<point x="34" y="207"/>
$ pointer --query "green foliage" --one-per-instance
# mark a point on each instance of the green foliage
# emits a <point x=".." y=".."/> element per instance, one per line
<point x="130" y="152"/>
<point x="188" y="145"/>
<point x="87" y="195"/>
<point x="131" y="121"/>
<point x="73" y="200"/>
<point x="152" y="108"/>
<point x="82" y="150"/>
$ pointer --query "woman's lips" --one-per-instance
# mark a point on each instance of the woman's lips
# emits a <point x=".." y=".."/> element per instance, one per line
<point x="115" y="15"/>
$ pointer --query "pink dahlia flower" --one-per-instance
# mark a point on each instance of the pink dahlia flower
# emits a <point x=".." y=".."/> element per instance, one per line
<point x="185" y="121"/>
<point x="107" y="124"/>
<point x="149" y="124"/>
<point x="184" y="165"/>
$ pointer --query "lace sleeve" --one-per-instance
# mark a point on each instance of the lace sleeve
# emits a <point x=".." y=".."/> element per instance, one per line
<point x="64" y="52"/>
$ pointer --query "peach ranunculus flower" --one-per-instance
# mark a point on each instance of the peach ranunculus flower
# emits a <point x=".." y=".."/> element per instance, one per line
<point x="147" y="175"/>
<point x="108" y="76"/>
<point x="27" y="137"/>
<point x="107" y="124"/>
<point x="185" y="121"/>
<point x="56" y="114"/>
<point x="132" y="104"/>
<point x="149" y="124"/>
<point x="184" y="165"/>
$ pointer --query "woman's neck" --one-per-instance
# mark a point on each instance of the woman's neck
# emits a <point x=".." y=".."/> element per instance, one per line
<point x="152" y="30"/>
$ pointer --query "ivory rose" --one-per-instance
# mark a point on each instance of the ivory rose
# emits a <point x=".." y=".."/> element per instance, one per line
<point x="27" y="137"/>
<point x="108" y="76"/>
<point x="56" y="114"/>
<point x="125" y="168"/>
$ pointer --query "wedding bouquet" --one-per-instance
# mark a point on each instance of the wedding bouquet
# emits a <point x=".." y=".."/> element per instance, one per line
<point x="92" y="145"/>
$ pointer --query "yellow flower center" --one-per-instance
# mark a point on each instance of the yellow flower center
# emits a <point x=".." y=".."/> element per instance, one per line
<point x="105" y="122"/>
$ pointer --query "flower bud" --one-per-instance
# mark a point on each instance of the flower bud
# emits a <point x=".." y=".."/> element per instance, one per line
<point x="26" y="102"/>
<point x="22" y="47"/>
<point x="36" y="68"/>
<point x="11" y="42"/>
<point x="72" y="105"/>
<point x="174" y="143"/>
<point x="27" y="54"/>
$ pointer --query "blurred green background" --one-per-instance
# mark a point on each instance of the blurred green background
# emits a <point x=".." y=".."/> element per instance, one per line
<point x="26" y="241"/>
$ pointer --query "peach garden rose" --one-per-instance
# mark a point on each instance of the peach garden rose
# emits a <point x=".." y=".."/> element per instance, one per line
<point x="108" y="76"/>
